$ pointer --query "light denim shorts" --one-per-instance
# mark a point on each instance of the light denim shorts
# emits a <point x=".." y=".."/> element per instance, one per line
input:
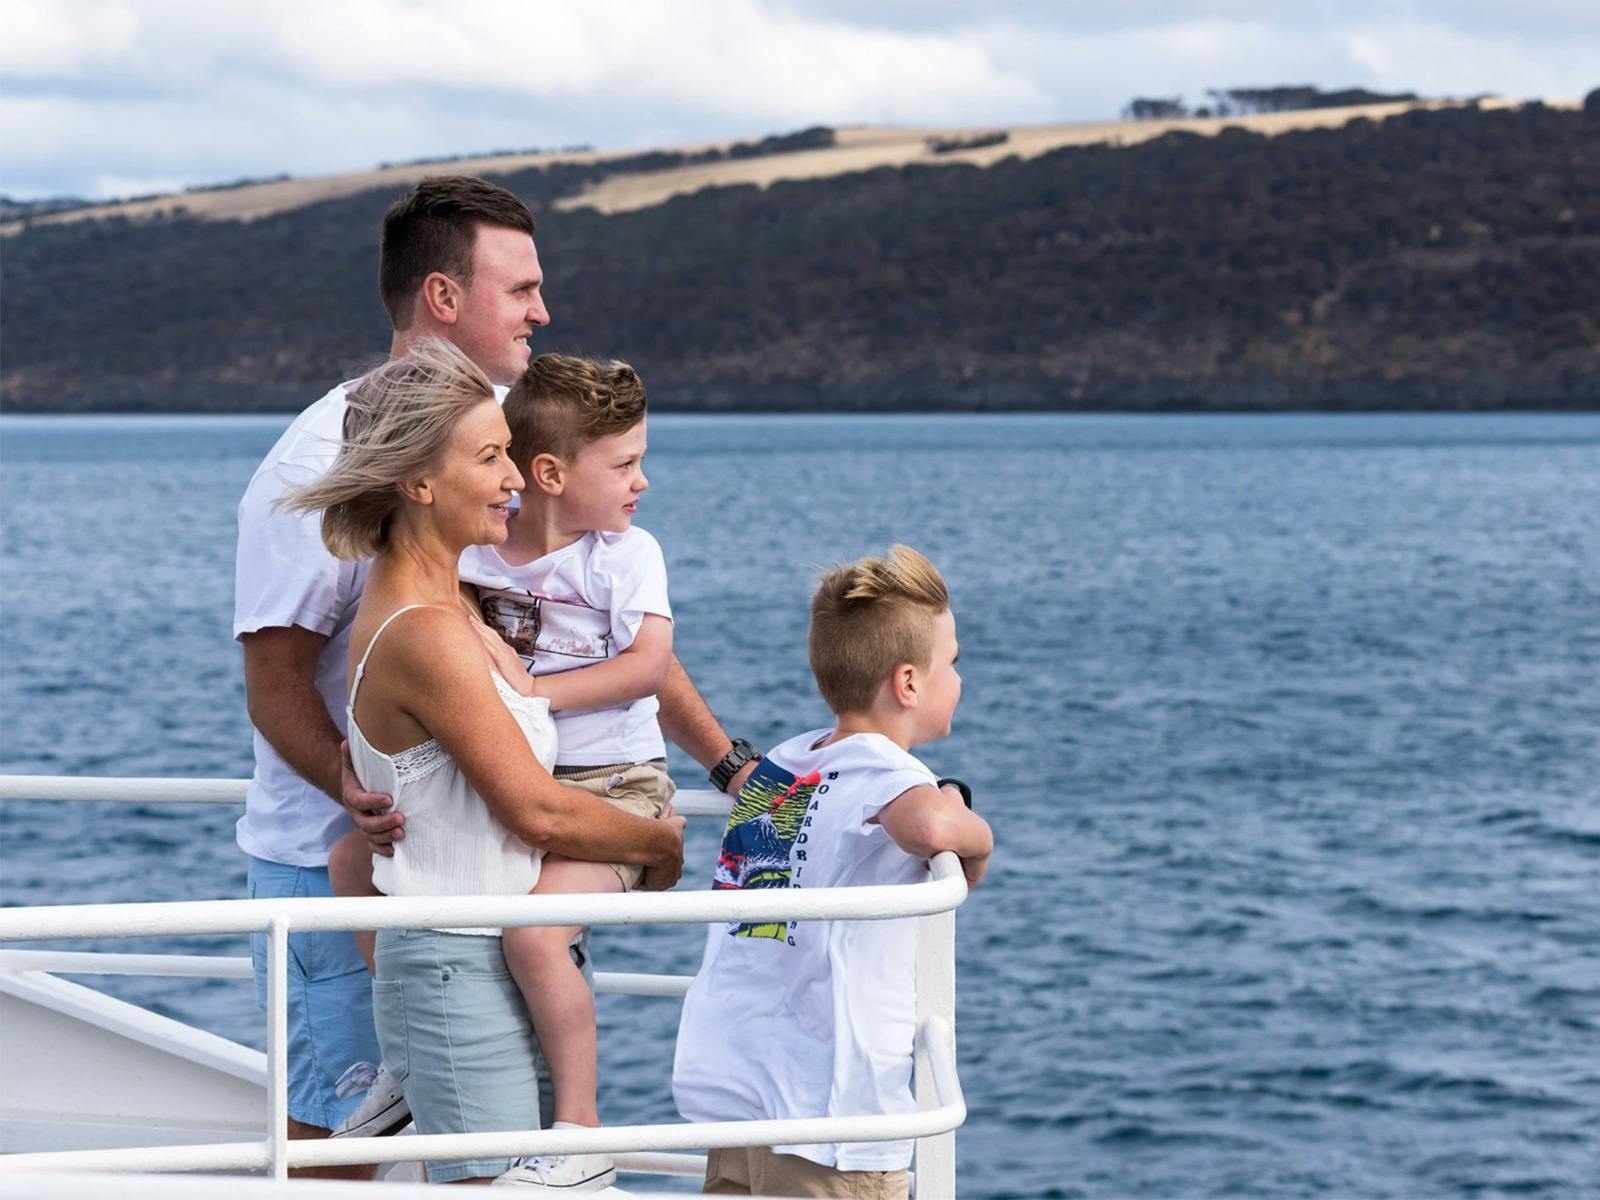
<point x="330" y="999"/>
<point x="453" y="1024"/>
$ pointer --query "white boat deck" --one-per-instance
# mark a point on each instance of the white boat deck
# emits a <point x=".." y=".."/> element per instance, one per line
<point x="90" y="1084"/>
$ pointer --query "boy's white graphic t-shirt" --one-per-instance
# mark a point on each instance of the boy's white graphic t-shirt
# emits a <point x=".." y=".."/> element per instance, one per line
<point x="576" y="607"/>
<point x="809" y="1018"/>
<point x="283" y="576"/>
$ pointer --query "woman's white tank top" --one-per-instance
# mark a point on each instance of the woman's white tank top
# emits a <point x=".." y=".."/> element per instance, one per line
<point x="453" y="845"/>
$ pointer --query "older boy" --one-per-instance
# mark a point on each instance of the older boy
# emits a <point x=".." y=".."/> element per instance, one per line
<point x="817" y="1018"/>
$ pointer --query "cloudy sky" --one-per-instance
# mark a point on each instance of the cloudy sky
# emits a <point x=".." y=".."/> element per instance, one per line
<point x="105" y="98"/>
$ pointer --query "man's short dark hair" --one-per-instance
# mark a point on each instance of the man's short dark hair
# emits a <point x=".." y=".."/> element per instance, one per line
<point x="433" y="228"/>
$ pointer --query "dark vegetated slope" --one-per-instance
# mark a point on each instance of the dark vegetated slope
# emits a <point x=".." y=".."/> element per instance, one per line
<point x="1441" y="259"/>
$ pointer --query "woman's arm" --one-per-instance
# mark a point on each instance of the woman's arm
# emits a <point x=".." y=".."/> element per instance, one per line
<point x="438" y="674"/>
<point x="637" y="672"/>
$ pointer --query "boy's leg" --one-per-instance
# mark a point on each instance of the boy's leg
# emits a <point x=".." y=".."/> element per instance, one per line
<point x="642" y="789"/>
<point x="350" y="874"/>
<point x="557" y="995"/>
<point x="330" y="1010"/>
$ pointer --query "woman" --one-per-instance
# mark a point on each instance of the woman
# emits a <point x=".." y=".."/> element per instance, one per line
<point x="424" y="472"/>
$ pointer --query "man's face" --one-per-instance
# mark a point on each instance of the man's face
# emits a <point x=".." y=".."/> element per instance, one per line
<point x="504" y="303"/>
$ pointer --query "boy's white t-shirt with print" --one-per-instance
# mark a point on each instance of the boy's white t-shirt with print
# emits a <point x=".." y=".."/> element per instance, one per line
<point x="809" y="1018"/>
<point x="576" y="607"/>
<point x="283" y="576"/>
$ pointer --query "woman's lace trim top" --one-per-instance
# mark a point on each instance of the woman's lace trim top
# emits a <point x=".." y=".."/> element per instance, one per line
<point x="419" y="761"/>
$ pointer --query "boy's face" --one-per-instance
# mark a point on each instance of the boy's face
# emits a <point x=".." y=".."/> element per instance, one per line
<point x="941" y="682"/>
<point x="602" y="482"/>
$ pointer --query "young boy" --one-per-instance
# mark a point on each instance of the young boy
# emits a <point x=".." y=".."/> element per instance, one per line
<point x="817" y="1018"/>
<point x="580" y="597"/>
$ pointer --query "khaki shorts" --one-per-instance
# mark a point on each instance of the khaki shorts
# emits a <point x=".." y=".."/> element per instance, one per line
<point x="642" y="789"/>
<point x="758" y="1171"/>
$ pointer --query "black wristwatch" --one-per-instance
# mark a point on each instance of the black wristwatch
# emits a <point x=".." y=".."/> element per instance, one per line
<point x="966" y="792"/>
<point x="728" y="765"/>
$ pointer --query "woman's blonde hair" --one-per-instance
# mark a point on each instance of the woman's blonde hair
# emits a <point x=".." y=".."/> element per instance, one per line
<point x="397" y="424"/>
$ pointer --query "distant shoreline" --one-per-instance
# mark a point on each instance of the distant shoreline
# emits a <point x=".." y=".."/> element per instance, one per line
<point x="282" y="419"/>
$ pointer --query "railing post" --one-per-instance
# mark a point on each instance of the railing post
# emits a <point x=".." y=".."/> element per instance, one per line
<point x="936" y="997"/>
<point x="278" y="1046"/>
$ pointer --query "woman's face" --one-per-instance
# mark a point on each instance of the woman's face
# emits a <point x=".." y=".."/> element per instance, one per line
<point x="473" y="485"/>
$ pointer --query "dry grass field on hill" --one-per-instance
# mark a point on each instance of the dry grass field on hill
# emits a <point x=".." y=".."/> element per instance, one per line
<point x="860" y="148"/>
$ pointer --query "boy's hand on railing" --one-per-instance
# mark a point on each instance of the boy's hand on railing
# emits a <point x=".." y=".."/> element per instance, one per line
<point x="373" y="812"/>
<point x="659" y="876"/>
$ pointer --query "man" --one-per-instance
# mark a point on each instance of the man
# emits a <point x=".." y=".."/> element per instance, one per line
<point x="458" y="262"/>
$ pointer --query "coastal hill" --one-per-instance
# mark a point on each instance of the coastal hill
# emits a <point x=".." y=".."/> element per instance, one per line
<point x="630" y="180"/>
<point x="1403" y="255"/>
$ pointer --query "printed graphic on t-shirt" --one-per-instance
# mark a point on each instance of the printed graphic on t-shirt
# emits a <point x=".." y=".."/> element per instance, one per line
<point x="558" y="632"/>
<point x="767" y="820"/>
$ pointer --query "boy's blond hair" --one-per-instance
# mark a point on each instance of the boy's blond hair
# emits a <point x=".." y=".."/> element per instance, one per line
<point x="869" y="617"/>
<point x="560" y="404"/>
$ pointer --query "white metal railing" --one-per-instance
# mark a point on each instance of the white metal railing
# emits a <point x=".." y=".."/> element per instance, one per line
<point x="941" y="1107"/>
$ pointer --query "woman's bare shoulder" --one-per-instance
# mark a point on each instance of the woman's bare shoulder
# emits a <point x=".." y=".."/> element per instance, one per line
<point x="430" y="645"/>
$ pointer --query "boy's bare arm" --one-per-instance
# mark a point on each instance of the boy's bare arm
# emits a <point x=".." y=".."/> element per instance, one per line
<point x="924" y="821"/>
<point x="635" y="673"/>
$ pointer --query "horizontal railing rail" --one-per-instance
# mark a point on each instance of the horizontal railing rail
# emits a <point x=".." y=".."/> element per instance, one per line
<point x="209" y="966"/>
<point x="933" y="1037"/>
<point x="945" y="890"/>
<point x="139" y="790"/>
<point x="941" y="1107"/>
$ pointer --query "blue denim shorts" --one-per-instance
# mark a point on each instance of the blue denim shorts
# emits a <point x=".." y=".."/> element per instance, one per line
<point x="330" y="999"/>
<point x="455" y="1027"/>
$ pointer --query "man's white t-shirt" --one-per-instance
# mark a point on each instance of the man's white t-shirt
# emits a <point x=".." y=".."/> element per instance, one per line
<point x="284" y="575"/>
<point x="809" y="1018"/>
<point x="573" y="608"/>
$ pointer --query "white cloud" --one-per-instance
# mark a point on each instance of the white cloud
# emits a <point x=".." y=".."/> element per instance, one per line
<point x="53" y="39"/>
<point x="1437" y="60"/>
<point x="1098" y="73"/>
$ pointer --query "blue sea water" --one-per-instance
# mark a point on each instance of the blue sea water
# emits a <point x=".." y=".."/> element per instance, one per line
<point x="1288" y="727"/>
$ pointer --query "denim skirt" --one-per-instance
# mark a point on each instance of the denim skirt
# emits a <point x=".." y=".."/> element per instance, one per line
<point x="454" y="1027"/>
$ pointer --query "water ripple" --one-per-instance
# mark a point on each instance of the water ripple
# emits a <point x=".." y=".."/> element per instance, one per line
<point x="1286" y="727"/>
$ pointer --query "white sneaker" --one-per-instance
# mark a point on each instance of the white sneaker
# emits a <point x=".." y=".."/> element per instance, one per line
<point x="562" y="1173"/>
<point x="384" y="1111"/>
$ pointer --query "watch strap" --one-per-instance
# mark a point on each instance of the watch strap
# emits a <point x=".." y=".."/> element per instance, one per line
<point x="740" y="753"/>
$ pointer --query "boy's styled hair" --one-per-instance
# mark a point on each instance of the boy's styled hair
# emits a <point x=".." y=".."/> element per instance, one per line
<point x="561" y="404"/>
<point x="396" y="427"/>
<point x="434" y="228"/>
<point x="867" y="618"/>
